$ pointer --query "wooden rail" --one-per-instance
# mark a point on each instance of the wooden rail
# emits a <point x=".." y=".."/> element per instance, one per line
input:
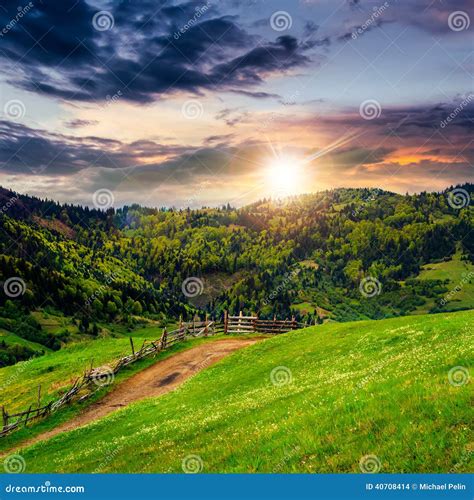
<point x="94" y="379"/>
<point x="252" y="324"/>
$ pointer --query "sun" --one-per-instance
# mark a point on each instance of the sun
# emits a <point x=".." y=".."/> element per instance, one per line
<point x="284" y="177"/>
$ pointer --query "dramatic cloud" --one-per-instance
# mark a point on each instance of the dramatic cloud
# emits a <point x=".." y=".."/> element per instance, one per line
<point x="151" y="49"/>
<point x="164" y="99"/>
<point x="24" y="150"/>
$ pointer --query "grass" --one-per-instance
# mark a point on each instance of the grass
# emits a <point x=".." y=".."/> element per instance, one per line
<point x="68" y="412"/>
<point x="304" y="307"/>
<point x="57" y="370"/>
<point x="12" y="339"/>
<point x="354" y="389"/>
<point x="460" y="274"/>
<point x="54" y="323"/>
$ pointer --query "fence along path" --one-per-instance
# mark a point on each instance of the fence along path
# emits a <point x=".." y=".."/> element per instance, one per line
<point x="252" y="324"/>
<point x="94" y="379"/>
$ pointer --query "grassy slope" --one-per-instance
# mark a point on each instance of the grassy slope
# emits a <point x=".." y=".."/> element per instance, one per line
<point x="15" y="438"/>
<point x="57" y="370"/>
<point x="358" y="388"/>
<point x="11" y="339"/>
<point x="457" y="272"/>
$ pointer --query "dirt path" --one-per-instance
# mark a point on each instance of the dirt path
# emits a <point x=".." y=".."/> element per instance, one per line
<point x="160" y="378"/>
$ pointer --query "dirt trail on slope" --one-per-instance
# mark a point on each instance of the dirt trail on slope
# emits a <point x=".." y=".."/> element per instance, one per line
<point x="160" y="378"/>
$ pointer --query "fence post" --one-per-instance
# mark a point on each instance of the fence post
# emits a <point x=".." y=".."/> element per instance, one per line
<point x="27" y="415"/>
<point x="39" y="396"/>
<point x="255" y="323"/>
<point x="133" y="348"/>
<point x="226" y="321"/>
<point x="4" y="417"/>
<point x="163" y="338"/>
<point x="293" y="323"/>
<point x="205" y="325"/>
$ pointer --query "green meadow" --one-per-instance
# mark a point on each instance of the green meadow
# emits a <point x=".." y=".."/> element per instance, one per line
<point x="330" y="398"/>
<point x="56" y="371"/>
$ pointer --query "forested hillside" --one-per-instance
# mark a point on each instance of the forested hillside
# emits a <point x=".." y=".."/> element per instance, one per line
<point x="343" y="254"/>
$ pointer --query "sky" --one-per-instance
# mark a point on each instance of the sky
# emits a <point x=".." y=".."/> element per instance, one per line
<point x="200" y="103"/>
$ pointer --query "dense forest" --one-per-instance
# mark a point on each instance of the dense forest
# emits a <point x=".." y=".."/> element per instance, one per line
<point x="342" y="254"/>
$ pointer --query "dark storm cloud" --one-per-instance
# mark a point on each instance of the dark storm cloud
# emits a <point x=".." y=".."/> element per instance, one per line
<point x="152" y="49"/>
<point x="24" y="150"/>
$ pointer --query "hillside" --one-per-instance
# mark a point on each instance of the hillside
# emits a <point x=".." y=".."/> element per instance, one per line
<point x="57" y="370"/>
<point x="321" y="399"/>
<point x="343" y="255"/>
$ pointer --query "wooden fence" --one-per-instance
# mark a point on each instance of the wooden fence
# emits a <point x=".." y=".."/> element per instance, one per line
<point x="252" y="324"/>
<point x="94" y="379"/>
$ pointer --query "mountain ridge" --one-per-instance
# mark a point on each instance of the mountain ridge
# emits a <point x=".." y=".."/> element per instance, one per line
<point x="343" y="254"/>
